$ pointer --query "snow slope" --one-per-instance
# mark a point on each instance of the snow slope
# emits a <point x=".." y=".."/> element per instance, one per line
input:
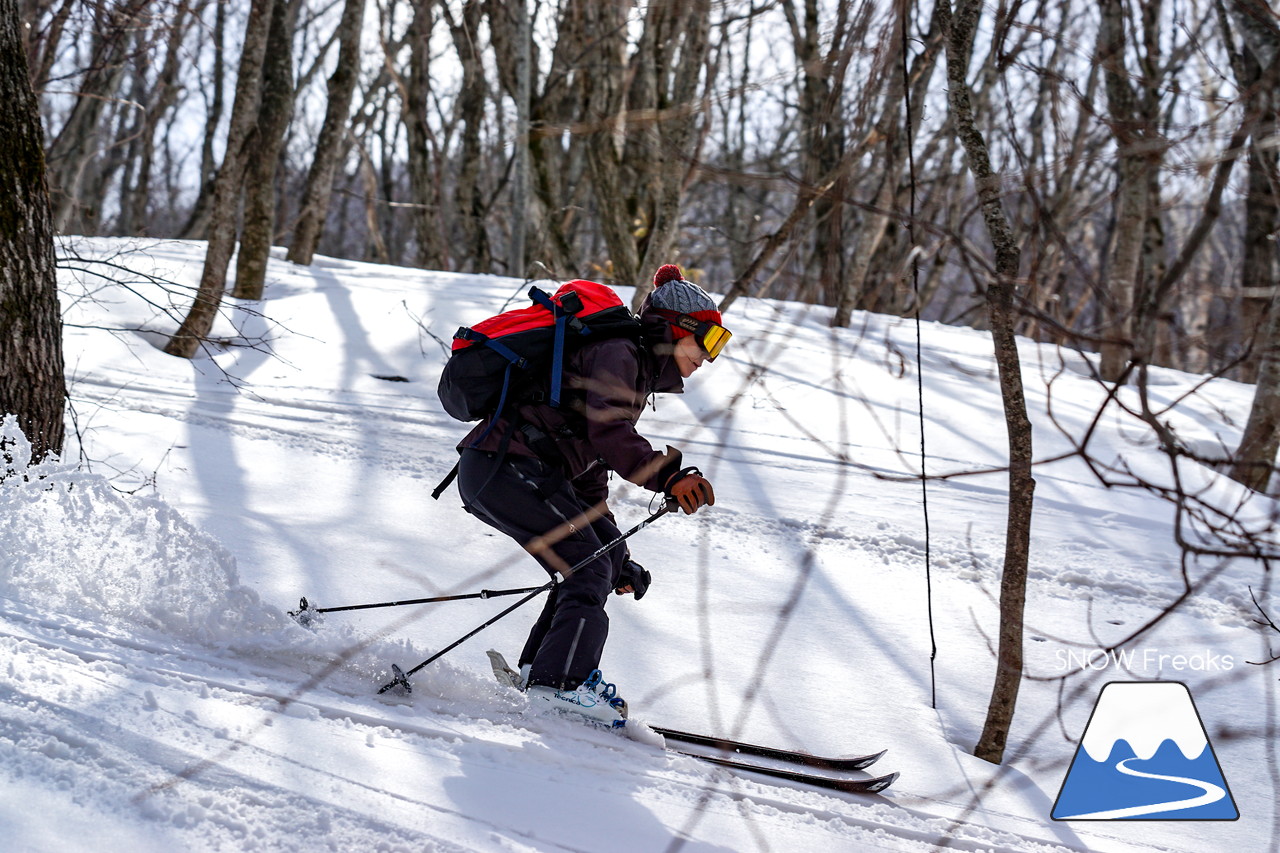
<point x="155" y="696"/>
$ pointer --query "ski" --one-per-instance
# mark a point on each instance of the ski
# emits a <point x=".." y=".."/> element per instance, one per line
<point x="507" y="676"/>
<point x="848" y="786"/>
<point x="788" y="755"/>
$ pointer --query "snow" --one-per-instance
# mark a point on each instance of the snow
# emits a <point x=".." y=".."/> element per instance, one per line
<point x="154" y="695"/>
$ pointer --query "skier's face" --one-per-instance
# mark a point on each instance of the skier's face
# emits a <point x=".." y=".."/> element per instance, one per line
<point x="689" y="356"/>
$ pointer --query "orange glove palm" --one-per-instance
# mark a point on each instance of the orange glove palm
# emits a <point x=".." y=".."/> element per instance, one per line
<point x="691" y="490"/>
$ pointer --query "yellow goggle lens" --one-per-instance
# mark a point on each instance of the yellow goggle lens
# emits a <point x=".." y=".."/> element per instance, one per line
<point x="714" y="340"/>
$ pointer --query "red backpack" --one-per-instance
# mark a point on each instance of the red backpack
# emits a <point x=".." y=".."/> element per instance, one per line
<point x="518" y="348"/>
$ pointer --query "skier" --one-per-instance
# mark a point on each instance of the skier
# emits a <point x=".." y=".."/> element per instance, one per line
<point x="540" y="476"/>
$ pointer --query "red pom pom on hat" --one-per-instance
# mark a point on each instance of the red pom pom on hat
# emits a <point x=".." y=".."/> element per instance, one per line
<point x="666" y="273"/>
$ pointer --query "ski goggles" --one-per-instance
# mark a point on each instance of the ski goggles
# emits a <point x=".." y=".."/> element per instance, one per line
<point x="712" y="337"/>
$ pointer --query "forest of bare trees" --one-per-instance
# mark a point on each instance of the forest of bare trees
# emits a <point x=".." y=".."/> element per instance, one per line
<point x="763" y="143"/>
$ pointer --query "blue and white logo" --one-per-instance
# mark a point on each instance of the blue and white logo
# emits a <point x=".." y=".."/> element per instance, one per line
<point x="1145" y="755"/>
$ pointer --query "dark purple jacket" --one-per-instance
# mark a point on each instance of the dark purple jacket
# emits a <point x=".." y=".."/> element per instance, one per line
<point x="594" y="429"/>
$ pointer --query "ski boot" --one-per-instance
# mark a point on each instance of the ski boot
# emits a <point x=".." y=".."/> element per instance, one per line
<point x="594" y="699"/>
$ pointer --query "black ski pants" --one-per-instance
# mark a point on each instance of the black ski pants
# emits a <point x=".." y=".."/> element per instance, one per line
<point x="526" y="498"/>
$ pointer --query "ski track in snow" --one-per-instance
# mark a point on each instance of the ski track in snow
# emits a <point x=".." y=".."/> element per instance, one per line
<point x="67" y="683"/>
<point x="1067" y="569"/>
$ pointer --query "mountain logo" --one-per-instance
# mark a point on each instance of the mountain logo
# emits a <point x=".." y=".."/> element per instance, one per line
<point x="1145" y="755"/>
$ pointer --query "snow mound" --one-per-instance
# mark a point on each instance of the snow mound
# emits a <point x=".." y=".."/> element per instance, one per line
<point x="72" y="544"/>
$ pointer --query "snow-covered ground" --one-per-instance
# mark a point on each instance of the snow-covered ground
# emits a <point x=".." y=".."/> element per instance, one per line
<point x="155" y="696"/>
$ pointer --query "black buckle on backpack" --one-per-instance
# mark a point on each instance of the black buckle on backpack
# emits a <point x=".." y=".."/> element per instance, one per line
<point x="571" y="302"/>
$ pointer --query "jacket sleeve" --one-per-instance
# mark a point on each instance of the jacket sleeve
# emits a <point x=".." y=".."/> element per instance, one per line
<point x="610" y="378"/>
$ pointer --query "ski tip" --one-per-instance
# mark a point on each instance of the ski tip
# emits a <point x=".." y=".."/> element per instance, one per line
<point x="868" y="760"/>
<point x="503" y="672"/>
<point x="875" y="786"/>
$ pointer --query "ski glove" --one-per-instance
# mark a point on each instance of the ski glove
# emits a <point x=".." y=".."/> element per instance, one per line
<point x="635" y="576"/>
<point x="690" y="489"/>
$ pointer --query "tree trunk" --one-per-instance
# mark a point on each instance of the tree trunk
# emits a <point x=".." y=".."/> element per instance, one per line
<point x="1132" y="199"/>
<point x="642" y="135"/>
<point x="330" y="147"/>
<point x="468" y="198"/>
<point x="823" y="134"/>
<point x="32" y="386"/>
<point x="676" y="61"/>
<point x="161" y="98"/>
<point x="424" y="189"/>
<point x="555" y="160"/>
<point x="522" y="91"/>
<point x="1258" y="265"/>
<point x="1154" y="297"/>
<point x="603" y="74"/>
<point x="1255" y="459"/>
<point x="1258" y="268"/>
<point x="198" y="220"/>
<point x="226" y="191"/>
<point x="258" y="230"/>
<point x="960" y="29"/>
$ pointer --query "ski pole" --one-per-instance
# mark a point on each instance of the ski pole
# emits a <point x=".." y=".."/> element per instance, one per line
<point x="401" y="678"/>
<point x="306" y="611"/>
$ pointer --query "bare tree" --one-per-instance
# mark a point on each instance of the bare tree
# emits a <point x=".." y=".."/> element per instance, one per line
<point x="424" y="150"/>
<point x="274" y="113"/>
<point x="960" y="27"/>
<point x="604" y="95"/>
<point x="1132" y="191"/>
<point x="32" y="386"/>
<point x="641" y="117"/>
<point x="226" y="194"/>
<point x="522" y="93"/>
<point x="162" y="97"/>
<point x="668" y="71"/>
<point x="73" y="149"/>
<point x="198" y="219"/>
<point x="468" y="197"/>
<point x="556" y="189"/>
<point x="1255" y="458"/>
<point x="854" y="289"/>
<point x="330" y="147"/>
<point x="44" y="42"/>
<point x="823" y="67"/>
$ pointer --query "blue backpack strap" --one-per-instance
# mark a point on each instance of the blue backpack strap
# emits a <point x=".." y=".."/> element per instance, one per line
<point x="557" y="361"/>
<point x="502" y="404"/>
<point x="562" y="319"/>
<point x="513" y="360"/>
<point x="493" y="420"/>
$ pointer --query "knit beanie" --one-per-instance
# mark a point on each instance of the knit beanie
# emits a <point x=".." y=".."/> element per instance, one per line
<point x="673" y="296"/>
